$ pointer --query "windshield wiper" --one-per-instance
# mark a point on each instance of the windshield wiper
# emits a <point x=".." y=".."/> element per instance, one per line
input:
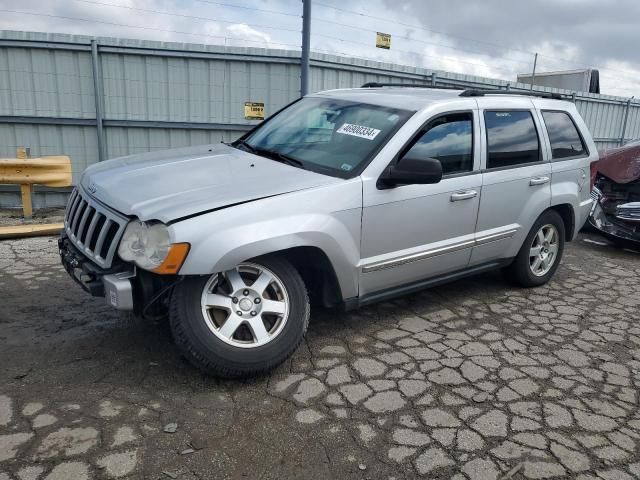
<point x="280" y="157"/>
<point x="245" y="145"/>
<point x="273" y="155"/>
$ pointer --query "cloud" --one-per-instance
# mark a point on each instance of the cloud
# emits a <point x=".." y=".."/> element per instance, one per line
<point x="244" y="31"/>
<point x="568" y="34"/>
<point x="492" y="38"/>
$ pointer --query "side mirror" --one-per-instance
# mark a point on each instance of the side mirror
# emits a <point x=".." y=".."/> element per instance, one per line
<point x="411" y="170"/>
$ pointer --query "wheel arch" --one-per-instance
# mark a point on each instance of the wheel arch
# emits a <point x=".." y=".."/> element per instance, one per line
<point x="568" y="215"/>
<point x="316" y="271"/>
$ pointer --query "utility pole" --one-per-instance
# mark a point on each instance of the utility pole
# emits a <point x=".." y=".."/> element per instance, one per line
<point x="98" y="94"/>
<point x="624" y="123"/>
<point x="533" y="75"/>
<point x="306" y="44"/>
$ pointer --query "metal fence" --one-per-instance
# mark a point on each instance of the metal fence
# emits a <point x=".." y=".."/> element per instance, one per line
<point x="94" y="99"/>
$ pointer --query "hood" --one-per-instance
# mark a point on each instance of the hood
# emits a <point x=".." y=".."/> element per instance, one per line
<point x="622" y="165"/>
<point x="172" y="184"/>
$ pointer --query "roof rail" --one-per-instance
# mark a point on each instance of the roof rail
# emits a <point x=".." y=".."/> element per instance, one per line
<point x="480" y="92"/>
<point x="409" y="85"/>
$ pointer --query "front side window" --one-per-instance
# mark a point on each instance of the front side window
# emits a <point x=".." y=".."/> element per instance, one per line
<point x="449" y="139"/>
<point x="563" y="135"/>
<point x="326" y="135"/>
<point x="512" y="138"/>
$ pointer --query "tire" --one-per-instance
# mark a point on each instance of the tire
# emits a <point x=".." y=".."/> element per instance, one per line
<point x="521" y="270"/>
<point x="208" y="347"/>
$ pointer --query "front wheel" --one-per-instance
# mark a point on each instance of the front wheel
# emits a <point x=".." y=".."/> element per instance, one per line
<point x="241" y="322"/>
<point x="539" y="256"/>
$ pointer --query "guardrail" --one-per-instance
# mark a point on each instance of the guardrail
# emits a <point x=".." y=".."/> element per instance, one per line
<point x="50" y="171"/>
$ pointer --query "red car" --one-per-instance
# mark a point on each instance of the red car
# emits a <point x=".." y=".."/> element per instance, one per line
<point x="616" y="193"/>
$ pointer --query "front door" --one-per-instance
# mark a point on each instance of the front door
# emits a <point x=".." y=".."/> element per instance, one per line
<point x="414" y="232"/>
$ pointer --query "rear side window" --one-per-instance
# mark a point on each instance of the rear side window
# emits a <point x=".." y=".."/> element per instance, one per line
<point x="563" y="135"/>
<point x="512" y="138"/>
<point x="449" y="139"/>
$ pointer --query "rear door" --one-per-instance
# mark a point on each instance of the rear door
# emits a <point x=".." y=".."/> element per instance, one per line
<point x="516" y="178"/>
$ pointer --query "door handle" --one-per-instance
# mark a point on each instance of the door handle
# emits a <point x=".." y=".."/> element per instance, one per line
<point x="466" y="195"/>
<point x="538" y="181"/>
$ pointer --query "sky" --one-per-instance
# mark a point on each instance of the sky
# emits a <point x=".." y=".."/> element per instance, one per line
<point x="491" y="38"/>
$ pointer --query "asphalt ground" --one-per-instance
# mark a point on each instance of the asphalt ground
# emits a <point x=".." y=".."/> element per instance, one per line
<point x="475" y="379"/>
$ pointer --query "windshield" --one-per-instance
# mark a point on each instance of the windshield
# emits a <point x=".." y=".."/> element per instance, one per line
<point x="330" y="136"/>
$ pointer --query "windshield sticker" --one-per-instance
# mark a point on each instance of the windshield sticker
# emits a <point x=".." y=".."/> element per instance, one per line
<point x="358" y="131"/>
<point x="346" y="166"/>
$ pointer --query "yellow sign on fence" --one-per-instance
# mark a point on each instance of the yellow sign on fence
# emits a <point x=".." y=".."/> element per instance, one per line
<point x="254" y="110"/>
<point x="383" y="40"/>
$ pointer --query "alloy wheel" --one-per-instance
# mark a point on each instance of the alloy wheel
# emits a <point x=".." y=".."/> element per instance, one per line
<point x="544" y="250"/>
<point x="246" y="306"/>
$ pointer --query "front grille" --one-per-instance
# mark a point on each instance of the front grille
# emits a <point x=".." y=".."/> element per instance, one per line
<point x="94" y="229"/>
<point x="628" y="211"/>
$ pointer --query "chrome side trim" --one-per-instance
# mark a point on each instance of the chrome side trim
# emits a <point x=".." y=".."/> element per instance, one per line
<point x="415" y="257"/>
<point x="494" y="237"/>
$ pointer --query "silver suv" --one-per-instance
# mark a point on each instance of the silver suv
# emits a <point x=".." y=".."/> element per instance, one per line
<point x="344" y="197"/>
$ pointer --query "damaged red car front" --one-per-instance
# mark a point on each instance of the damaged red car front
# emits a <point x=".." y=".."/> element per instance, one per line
<point x="616" y="193"/>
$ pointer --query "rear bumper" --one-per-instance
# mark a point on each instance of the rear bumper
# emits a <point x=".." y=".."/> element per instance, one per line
<point x="113" y="284"/>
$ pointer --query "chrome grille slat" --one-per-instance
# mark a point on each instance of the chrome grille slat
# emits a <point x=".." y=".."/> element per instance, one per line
<point x="72" y="209"/>
<point x="92" y="227"/>
<point x="628" y="211"/>
<point x="101" y="237"/>
<point x="85" y="215"/>
<point x="112" y="249"/>
<point x="76" y="216"/>
<point x="72" y="199"/>
<point x="104" y="230"/>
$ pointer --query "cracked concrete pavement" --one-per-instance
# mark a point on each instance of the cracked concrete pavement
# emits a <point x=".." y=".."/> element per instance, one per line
<point x="472" y="380"/>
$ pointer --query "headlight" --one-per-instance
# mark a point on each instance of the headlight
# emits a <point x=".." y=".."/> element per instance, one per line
<point x="147" y="245"/>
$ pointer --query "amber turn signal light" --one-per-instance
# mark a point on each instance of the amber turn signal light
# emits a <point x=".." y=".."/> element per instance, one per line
<point x="175" y="258"/>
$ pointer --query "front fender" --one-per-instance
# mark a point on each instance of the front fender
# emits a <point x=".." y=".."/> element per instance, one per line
<point x="222" y="239"/>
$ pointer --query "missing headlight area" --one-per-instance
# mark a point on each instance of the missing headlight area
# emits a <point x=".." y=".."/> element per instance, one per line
<point x="616" y="193"/>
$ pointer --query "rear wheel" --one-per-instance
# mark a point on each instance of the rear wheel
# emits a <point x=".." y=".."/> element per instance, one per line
<point x="241" y="322"/>
<point x="540" y="255"/>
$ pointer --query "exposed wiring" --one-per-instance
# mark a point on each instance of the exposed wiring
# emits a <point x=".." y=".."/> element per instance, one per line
<point x="253" y="9"/>
<point x="564" y="61"/>
<point x="194" y="17"/>
<point x="50" y="15"/>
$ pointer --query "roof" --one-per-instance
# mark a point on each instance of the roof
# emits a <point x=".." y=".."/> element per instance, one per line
<point x="418" y="98"/>
<point x="406" y="98"/>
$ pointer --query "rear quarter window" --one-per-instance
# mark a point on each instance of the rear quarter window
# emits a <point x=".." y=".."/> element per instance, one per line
<point x="564" y="137"/>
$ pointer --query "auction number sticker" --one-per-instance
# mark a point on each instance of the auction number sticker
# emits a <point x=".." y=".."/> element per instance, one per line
<point x="358" y="131"/>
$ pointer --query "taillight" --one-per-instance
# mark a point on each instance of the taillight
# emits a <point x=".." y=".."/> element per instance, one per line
<point x="594" y="173"/>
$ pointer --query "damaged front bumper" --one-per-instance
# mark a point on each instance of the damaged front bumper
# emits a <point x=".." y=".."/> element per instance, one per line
<point x="623" y="224"/>
<point x="114" y="284"/>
